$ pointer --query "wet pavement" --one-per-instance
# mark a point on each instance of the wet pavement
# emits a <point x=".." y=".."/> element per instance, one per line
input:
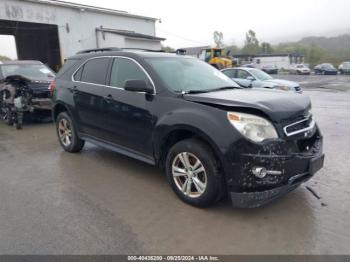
<point x="99" y="202"/>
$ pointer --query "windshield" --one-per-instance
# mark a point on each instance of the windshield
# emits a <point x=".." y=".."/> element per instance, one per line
<point x="260" y="75"/>
<point x="183" y="74"/>
<point x="301" y="66"/>
<point x="346" y="65"/>
<point x="38" y="72"/>
<point x="330" y="66"/>
<point x="217" y="53"/>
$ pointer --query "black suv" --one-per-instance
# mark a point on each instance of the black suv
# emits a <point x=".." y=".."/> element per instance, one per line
<point x="210" y="136"/>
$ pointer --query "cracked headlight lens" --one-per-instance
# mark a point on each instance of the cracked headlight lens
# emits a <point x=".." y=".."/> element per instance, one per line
<point x="253" y="127"/>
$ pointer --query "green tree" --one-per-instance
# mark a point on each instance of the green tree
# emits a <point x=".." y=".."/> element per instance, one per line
<point x="251" y="44"/>
<point x="219" y="39"/>
<point x="232" y="50"/>
<point x="4" y="58"/>
<point x="266" y="48"/>
<point x="168" y="49"/>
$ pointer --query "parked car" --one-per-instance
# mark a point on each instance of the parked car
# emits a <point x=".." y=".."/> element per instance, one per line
<point x="344" y="68"/>
<point x="253" y="77"/>
<point x="24" y="87"/>
<point x="325" y="69"/>
<point x="210" y="136"/>
<point x="300" y="69"/>
<point x="270" y="69"/>
<point x="39" y="77"/>
<point x="248" y="65"/>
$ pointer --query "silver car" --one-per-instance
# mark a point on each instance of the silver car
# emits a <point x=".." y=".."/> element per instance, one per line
<point x="252" y="77"/>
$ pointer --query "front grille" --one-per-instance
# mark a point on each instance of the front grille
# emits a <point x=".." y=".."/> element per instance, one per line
<point x="299" y="126"/>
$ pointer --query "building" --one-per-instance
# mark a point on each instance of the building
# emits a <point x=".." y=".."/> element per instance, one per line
<point x="49" y="30"/>
<point x="194" y="51"/>
<point x="281" y="61"/>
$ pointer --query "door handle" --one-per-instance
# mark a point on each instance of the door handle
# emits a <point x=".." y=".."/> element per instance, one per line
<point x="73" y="89"/>
<point x="108" y="98"/>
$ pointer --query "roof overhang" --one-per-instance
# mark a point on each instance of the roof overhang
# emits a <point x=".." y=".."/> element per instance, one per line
<point x="82" y="7"/>
<point x="130" y="34"/>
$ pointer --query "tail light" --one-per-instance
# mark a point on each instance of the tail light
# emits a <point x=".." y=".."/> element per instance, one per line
<point x="52" y="87"/>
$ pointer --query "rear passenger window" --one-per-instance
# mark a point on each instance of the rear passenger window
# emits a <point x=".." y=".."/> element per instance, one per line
<point x="125" y="69"/>
<point x="95" y="71"/>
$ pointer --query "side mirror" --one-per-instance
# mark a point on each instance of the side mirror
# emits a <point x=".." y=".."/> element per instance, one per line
<point x="250" y="78"/>
<point x="138" y="86"/>
<point x="243" y="84"/>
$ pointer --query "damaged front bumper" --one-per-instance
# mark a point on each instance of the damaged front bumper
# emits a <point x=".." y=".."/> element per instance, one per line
<point x="260" y="198"/>
<point x="286" y="165"/>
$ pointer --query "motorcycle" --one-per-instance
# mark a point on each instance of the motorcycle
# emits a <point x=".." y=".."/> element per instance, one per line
<point x="15" y="99"/>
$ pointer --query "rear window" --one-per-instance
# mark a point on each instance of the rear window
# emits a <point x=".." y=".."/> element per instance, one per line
<point x="68" y="64"/>
<point x="31" y="71"/>
<point x="95" y="71"/>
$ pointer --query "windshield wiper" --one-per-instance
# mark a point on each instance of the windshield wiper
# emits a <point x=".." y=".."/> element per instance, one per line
<point x="225" y="88"/>
<point x="209" y="90"/>
<point x="192" y="91"/>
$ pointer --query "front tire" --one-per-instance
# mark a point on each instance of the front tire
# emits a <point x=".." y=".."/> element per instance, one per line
<point x="67" y="134"/>
<point x="193" y="173"/>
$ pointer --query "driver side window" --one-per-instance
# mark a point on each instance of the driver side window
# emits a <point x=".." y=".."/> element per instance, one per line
<point x="231" y="73"/>
<point x="241" y="74"/>
<point x="124" y="69"/>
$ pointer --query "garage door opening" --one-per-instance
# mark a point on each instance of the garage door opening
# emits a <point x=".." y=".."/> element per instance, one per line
<point x="34" y="41"/>
<point x="8" y="47"/>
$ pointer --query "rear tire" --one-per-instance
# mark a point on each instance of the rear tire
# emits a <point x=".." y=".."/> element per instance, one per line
<point x="197" y="182"/>
<point x="67" y="134"/>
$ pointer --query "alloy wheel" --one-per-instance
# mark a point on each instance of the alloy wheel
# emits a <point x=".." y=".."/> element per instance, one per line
<point x="189" y="174"/>
<point x="65" y="132"/>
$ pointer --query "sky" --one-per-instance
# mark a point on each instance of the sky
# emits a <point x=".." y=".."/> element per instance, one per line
<point x="188" y="23"/>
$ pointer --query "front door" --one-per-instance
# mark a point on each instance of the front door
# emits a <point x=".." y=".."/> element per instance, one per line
<point x="128" y="114"/>
<point x="241" y="78"/>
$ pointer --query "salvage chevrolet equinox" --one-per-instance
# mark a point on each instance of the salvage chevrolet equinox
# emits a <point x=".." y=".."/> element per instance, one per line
<point x="211" y="137"/>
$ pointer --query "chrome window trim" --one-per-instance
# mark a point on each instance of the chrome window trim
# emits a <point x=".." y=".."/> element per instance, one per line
<point x="123" y="57"/>
<point x="310" y="127"/>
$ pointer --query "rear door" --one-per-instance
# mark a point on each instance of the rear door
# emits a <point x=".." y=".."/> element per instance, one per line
<point x="89" y="89"/>
<point x="128" y="114"/>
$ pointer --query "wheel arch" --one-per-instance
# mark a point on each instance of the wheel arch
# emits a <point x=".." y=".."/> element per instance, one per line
<point x="59" y="108"/>
<point x="179" y="133"/>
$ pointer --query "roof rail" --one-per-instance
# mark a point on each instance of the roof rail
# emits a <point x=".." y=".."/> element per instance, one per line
<point x="106" y="49"/>
<point x="142" y="49"/>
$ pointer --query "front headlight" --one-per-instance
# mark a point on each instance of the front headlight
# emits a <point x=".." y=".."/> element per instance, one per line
<point x="252" y="127"/>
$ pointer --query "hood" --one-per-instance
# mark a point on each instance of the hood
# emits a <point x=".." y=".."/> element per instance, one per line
<point x="280" y="82"/>
<point x="278" y="105"/>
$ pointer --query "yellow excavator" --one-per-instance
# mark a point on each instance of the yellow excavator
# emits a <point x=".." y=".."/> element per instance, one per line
<point x="216" y="58"/>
